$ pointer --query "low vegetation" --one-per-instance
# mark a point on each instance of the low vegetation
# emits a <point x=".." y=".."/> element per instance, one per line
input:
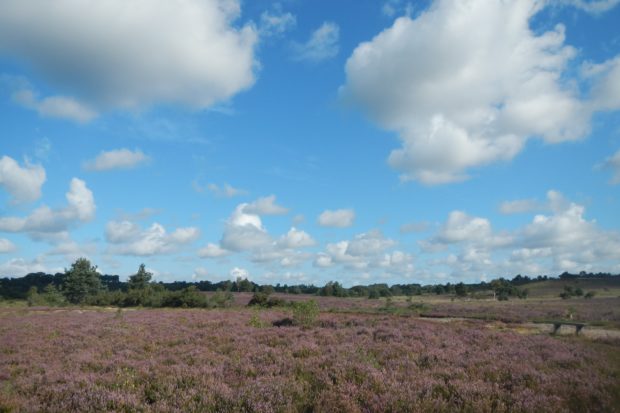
<point x="230" y="361"/>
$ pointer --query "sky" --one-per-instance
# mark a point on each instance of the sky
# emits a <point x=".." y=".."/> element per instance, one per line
<point x="293" y="141"/>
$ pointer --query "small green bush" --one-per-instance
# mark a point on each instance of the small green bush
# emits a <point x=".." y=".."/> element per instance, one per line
<point x="305" y="313"/>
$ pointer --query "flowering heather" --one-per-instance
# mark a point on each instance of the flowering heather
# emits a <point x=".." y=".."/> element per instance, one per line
<point x="597" y="311"/>
<point x="215" y="360"/>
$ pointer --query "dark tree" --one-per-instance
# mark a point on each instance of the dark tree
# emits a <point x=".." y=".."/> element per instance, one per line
<point x="81" y="281"/>
<point x="140" y="280"/>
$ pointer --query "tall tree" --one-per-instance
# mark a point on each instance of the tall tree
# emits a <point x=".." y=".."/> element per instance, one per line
<point x="141" y="279"/>
<point x="81" y="281"/>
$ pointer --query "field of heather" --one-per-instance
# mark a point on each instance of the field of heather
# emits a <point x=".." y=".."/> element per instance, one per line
<point x="235" y="360"/>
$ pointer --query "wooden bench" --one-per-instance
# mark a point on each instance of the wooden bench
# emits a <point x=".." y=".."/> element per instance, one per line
<point x="558" y="324"/>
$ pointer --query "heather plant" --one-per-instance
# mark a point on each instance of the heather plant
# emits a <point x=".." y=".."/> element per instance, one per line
<point x="195" y="360"/>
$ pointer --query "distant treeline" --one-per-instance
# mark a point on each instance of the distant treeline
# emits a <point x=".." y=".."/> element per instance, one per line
<point x="18" y="288"/>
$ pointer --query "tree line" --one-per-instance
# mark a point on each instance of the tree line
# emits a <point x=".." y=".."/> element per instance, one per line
<point x="82" y="284"/>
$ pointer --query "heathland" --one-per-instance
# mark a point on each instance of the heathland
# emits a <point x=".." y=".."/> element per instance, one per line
<point x="266" y="351"/>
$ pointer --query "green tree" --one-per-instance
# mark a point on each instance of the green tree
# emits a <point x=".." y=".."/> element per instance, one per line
<point x="460" y="289"/>
<point x="81" y="281"/>
<point x="140" y="280"/>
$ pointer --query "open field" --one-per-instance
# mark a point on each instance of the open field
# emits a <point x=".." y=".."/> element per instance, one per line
<point x="601" y="311"/>
<point x="72" y="359"/>
<point x="603" y="287"/>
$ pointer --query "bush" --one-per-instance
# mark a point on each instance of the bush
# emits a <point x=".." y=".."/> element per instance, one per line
<point x="589" y="295"/>
<point x="262" y="299"/>
<point x="305" y="313"/>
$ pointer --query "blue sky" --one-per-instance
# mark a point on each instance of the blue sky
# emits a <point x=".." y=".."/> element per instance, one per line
<point x="301" y="142"/>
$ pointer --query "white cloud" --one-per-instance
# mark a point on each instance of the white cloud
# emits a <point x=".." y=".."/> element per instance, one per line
<point x="461" y="227"/>
<point x="322" y="45"/>
<point x="18" y="267"/>
<point x="116" y="159"/>
<point x="200" y="273"/>
<point x="244" y="231"/>
<point x="462" y="92"/>
<point x="369" y="243"/>
<point x="24" y="184"/>
<point x="589" y="6"/>
<point x="339" y="218"/>
<point x="212" y="251"/>
<point x="237" y="272"/>
<point x="555" y="202"/>
<point x="564" y="240"/>
<point x="127" y="238"/>
<point x="63" y="107"/>
<point x="6" y="246"/>
<point x="276" y="23"/>
<point x="133" y="53"/>
<point x="605" y="93"/>
<point x="367" y="252"/>
<point x="265" y="206"/>
<point x="613" y="163"/>
<point x="323" y="260"/>
<point x="44" y="220"/>
<point x="295" y="238"/>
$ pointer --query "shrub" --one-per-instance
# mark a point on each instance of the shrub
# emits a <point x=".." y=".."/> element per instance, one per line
<point x="305" y="313"/>
<point x="589" y="295"/>
<point x="259" y="298"/>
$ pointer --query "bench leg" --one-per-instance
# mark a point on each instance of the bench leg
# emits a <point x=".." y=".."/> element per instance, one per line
<point x="556" y="327"/>
<point x="578" y="330"/>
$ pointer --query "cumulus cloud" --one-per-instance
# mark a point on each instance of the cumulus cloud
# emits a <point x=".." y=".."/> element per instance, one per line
<point x="212" y="251"/>
<point x="563" y="240"/>
<point x="555" y="202"/>
<point x="605" y="93"/>
<point x="462" y="92"/>
<point x="237" y="272"/>
<point x="296" y="238"/>
<point x="128" y="238"/>
<point x="131" y="54"/>
<point x="6" y="246"/>
<point x="265" y="206"/>
<point x="200" y="273"/>
<point x="23" y="183"/>
<point x="339" y="218"/>
<point x="366" y="252"/>
<point x="322" y="45"/>
<point x="116" y="159"/>
<point x="18" y="267"/>
<point x="244" y="231"/>
<point x="44" y="220"/>
<point x="369" y="243"/>
<point x="55" y="106"/>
